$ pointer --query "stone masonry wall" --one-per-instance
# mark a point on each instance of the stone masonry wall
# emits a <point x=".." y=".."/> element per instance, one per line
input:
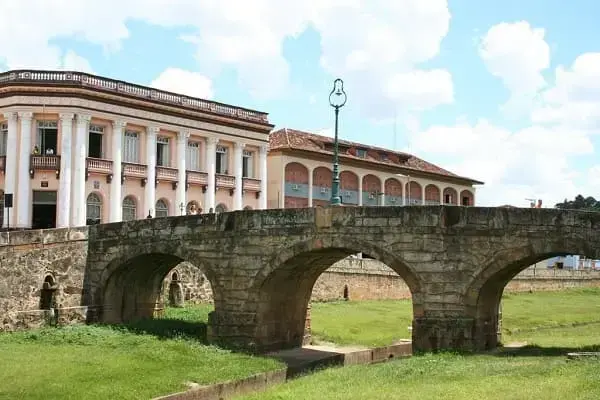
<point x="367" y="279"/>
<point x="195" y="286"/>
<point x="29" y="258"/>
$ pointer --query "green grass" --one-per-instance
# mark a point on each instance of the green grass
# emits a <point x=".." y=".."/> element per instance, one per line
<point x="552" y="323"/>
<point x="157" y="357"/>
<point x="92" y="362"/>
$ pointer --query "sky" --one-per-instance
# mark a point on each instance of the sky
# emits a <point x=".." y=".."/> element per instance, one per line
<point x="507" y="92"/>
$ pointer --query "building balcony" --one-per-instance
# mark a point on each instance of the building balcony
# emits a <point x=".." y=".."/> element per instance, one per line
<point x="166" y="174"/>
<point x="251" y="185"/>
<point x="225" y="181"/>
<point x="3" y="164"/>
<point x="133" y="170"/>
<point x="196" y="178"/>
<point x="44" y="163"/>
<point x="98" y="165"/>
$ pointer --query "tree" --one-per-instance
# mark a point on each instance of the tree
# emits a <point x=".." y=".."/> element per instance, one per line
<point x="580" y="203"/>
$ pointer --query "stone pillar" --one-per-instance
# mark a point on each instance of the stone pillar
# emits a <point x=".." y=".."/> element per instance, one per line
<point x="423" y="194"/>
<point x="310" y="187"/>
<point x="63" y="219"/>
<point x="442" y="196"/>
<point x="78" y="201"/>
<point x="383" y="192"/>
<point x="307" y="326"/>
<point x="23" y="199"/>
<point x="116" y="209"/>
<point x="150" y="192"/>
<point x="238" y="154"/>
<point x="360" y="190"/>
<point x="180" y="194"/>
<point x="262" y="166"/>
<point x="406" y="192"/>
<point x="450" y="333"/>
<point x="211" y="168"/>
<point x="10" y="171"/>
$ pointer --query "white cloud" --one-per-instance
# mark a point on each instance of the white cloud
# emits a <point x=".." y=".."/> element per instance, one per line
<point x="184" y="82"/>
<point x="376" y="45"/>
<point x="531" y="162"/>
<point x="516" y="53"/>
<point x="74" y="62"/>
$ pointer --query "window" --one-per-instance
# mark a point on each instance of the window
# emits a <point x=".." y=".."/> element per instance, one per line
<point x="47" y="137"/>
<point x="131" y="147"/>
<point x="129" y="209"/>
<point x="95" y="135"/>
<point x="161" y="209"/>
<point x="247" y="165"/>
<point x="192" y="157"/>
<point x="221" y="163"/>
<point x="448" y="198"/>
<point x="162" y="151"/>
<point x="3" y="138"/>
<point x="466" y="201"/>
<point x="362" y="153"/>
<point x="94" y="209"/>
<point x="221" y="208"/>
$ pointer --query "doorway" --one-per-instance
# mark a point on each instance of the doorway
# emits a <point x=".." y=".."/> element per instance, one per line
<point x="44" y="210"/>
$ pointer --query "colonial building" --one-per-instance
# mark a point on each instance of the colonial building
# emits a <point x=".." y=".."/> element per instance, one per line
<point x="79" y="149"/>
<point x="300" y="175"/>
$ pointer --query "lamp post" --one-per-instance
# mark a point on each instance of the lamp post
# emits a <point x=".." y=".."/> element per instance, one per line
<point x="181" y="208"/>
<point x="337" y="99"/>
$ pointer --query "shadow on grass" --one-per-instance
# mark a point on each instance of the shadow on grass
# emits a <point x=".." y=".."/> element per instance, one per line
<point x="540" y="351"/>
<point x="165" y="328"/>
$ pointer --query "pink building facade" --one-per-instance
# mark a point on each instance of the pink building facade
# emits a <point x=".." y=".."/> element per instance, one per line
<point x="78" y="149"/>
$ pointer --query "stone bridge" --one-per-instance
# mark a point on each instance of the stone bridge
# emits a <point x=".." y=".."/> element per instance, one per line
<point x="262" y="265"/>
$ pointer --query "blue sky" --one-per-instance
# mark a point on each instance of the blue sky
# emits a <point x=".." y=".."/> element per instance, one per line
<point x="283" y="61"/>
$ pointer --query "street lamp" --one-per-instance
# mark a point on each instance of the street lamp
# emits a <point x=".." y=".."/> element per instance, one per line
<point x="337" y="99"/>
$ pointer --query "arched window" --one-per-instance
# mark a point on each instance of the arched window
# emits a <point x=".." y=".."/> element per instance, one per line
<point x="129" y="209"/>
<point x="1" y="208"/>
<point x="47" y="293"/>
<point x="94" y="209"/>
<point x="161" y="209"/>
<point x="221" y="208"/>
<point x="193" y="208"/>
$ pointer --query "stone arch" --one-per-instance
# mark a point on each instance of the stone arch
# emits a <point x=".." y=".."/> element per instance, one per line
<point x="296" y="173"/>
<point x="129" y="208"/>
<point x="130" y="285"/>
<point x="371" y="186"/>
<point x="414" y="191"/>
<point x="483" y="294"/>
<point x="450" y="196"/>
<point x="48" y="293"/>
<point x="432" y="194"/>
<point x="467" y="198"/>
<point x="221" y="208"/>
<point x="161" y="208"/>
<point x="94" y="205"/>
<point x="285" y="285"/>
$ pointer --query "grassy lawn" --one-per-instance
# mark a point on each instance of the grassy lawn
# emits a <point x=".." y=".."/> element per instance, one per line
<point x="552" y="322"/>
<point x="158" y="357"/>
<point x="92" y="362"/>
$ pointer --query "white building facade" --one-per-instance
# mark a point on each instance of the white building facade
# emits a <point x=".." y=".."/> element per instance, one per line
<point x="78" y="149"/>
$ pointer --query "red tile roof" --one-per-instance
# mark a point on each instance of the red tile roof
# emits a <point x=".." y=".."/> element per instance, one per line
<point x="298" y="140"/>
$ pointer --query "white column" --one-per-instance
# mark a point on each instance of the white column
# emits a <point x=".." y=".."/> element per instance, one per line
<point x="406" y="192"/>
<point x="211" y="168"/>
<point x="64" y="185"/>
<point x="422" y="194"/>
<point x="238" y="154"/>
<point x="262" y="166"/>
<point x="150" y="193"/>
<point x="281" y="194"/>
<point x="310" y="187"/>
<point x="116" y="209"/>
<point x="383" y="192"/>
<point x="78" y="201"/>
<point x="10" y="168"/>
<point x="360" y="200"/>
<point x="24" y="184"/>
<point x="180" y="195"/>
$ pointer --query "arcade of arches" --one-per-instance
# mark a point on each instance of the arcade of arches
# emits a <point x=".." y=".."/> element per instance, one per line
<point x="304" y="189"/>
